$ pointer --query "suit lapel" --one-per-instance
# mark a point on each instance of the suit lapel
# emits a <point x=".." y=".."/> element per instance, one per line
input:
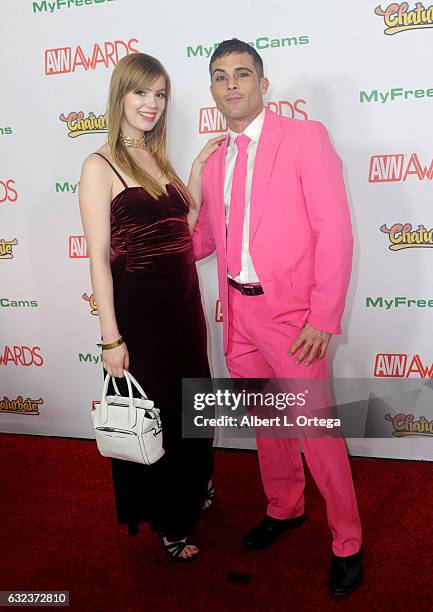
<point x="267" y="148"/>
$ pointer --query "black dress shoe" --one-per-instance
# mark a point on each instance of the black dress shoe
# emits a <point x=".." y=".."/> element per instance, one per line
<point x="345" y="575"/>
<point x="268" y="530"/>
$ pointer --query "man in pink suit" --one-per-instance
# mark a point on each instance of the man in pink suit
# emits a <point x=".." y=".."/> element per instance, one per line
<point x="274" y="208"/>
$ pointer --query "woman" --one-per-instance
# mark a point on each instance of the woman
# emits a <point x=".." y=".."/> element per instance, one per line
<point x="135" y="212"/>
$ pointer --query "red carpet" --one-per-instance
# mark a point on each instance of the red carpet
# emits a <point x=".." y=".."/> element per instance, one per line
<point x="58" y="532"/>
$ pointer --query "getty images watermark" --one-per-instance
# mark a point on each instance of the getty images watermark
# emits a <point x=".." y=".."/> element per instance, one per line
<point x="258" y="407"/>
<point x="284" y="408"/>
<point x="244" y="400"/>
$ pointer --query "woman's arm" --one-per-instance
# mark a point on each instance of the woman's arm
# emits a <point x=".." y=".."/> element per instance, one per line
<point x="95" y="202"/>
<point x="194" y="182"/>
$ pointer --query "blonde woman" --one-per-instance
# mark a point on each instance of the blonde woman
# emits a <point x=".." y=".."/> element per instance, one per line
<point x="136" y="214"/>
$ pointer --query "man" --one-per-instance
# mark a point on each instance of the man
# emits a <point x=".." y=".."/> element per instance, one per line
<point x="275" y="210"/>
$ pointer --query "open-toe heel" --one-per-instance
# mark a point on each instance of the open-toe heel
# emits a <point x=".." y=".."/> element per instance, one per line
<point x="175" y="549"/>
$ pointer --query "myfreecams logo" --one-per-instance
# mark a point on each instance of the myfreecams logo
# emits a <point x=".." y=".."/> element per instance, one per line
<point x="260" y="43"/>
<point x="396" y="302"/>
<point x="7" y="302"/>
<point x="394" y="94"/>
<point x="50" y="7"/>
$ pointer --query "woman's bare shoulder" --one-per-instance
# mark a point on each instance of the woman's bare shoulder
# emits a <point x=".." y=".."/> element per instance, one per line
<point x="96" y="164"/>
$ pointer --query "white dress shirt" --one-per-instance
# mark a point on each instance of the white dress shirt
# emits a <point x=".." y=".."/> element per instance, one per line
<point x="253" y="131"/>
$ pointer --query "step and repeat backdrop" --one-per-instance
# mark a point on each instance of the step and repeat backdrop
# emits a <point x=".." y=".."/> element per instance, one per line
<point x="362" y="70"/>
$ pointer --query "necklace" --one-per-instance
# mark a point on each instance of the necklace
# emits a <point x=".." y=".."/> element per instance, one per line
<point x="132" y="142"/>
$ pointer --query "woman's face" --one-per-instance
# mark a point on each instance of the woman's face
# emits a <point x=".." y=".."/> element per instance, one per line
<point x="143" y="108"/>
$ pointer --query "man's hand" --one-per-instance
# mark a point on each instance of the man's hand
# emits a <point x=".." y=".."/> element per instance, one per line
<point x="315" y="343"/>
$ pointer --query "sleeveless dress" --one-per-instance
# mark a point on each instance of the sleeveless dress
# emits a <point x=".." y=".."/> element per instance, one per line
<point x="160" y="316"/>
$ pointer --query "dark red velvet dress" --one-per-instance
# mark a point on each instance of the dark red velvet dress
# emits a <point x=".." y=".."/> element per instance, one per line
<point x="160" y="316"/>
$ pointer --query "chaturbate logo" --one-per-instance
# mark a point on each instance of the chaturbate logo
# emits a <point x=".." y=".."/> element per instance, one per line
<point x="402" y="236"/>
<point x="78" y="124"/>
<point x="20" y="405"/>
<point x="92" y="303"/>
<point x="70" y="59"/>
<point x="398" y="365"/>
<point x="7" y="192"/>
<point x="219" y="318"/>
<point x="78" y="247"/>
<point x="398" y="167"/>
<point x="408" y="425"/>
<point x="211" y="121"/>
<point x="21" y="356"/>
<point x="7" y="248"/>
<point x="398" y="17"/>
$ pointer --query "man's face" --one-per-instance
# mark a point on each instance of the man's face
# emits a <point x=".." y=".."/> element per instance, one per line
<point x="236" y="87"/>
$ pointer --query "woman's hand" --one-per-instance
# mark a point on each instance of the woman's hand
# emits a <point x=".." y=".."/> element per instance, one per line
<point x="194" y="183"/>
<point x="210" y="147"/>
<point x="116" y="360"/>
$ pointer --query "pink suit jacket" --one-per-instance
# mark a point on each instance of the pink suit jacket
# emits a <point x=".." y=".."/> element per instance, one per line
<point x="300" y="231"/>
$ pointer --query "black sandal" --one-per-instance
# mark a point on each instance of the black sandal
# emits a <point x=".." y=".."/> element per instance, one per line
<point x="174" y="550"/>
<point x="210" y="497"/>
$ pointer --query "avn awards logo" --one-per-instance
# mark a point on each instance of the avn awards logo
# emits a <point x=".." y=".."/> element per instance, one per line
<point x="398" y="167"/>
<point x="211" y="121"/>
<point x="399" y="365"/>
<point x="78" y="124"/>
<point x="7" y="248"/>
<point x="409" y="425"/>
<point x="92" y="303"/>
<point x="398" y="17"/>
<point x="78" y="247"/>
<point x="71" y="59"/>
<point x="50" y="7"/>
<point x="21" y="356"/>
<point x="403" y="236"/>
<point x="20" y="405"/>
<point x="7" y="191"/>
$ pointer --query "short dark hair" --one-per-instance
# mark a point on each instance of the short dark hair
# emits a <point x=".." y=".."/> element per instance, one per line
<point x="234" y="45"/>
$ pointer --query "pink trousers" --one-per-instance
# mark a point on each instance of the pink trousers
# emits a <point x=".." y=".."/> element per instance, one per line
<point x="258" y="348"/>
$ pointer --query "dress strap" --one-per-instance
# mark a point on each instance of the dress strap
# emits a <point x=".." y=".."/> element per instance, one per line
<point x="114" y="170"/>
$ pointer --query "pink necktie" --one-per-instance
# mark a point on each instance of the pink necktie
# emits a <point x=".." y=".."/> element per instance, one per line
<point x="237" y="207"/>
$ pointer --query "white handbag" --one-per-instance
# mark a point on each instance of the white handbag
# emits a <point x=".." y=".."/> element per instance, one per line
<point x="126" y="427"/>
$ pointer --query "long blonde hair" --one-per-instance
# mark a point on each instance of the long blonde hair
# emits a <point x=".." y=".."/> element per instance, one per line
<point x="133" y="72"/>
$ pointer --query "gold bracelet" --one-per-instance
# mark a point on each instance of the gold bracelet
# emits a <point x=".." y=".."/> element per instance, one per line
<point x="111" y="345"/>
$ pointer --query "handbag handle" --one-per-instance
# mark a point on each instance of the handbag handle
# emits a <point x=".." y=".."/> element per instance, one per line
<point x="132" y="410"/>
<point x="134" y="382"/>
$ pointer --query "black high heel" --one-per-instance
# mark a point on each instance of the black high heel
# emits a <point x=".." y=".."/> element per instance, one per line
<point x="210" y="497"/>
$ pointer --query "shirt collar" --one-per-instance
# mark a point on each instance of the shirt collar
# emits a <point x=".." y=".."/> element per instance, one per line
<point x="253" y="129"/>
